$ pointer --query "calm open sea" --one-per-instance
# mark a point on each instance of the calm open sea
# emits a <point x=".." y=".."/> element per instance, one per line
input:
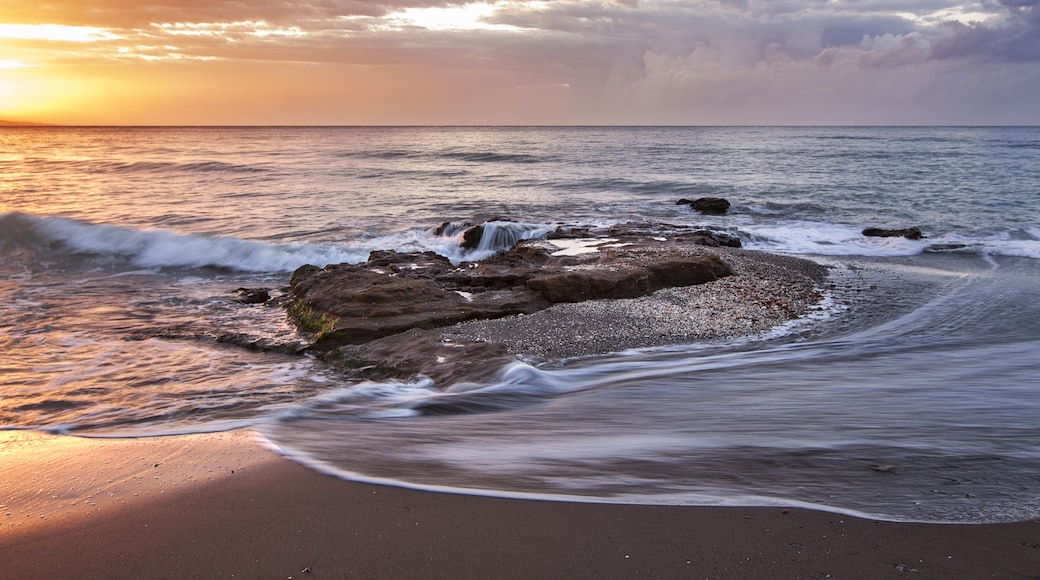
<point x="917" y="398"/>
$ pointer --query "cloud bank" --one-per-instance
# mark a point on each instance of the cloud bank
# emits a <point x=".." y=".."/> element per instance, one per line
<point x="602" y="62"/>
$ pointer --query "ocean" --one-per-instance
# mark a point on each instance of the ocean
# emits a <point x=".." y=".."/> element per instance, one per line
<point x="910" y="393"/>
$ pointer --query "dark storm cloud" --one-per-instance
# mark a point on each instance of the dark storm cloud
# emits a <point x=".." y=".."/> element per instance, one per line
<point x="1017" y="39"/>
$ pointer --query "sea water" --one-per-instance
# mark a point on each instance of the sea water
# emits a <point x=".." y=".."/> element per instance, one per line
<point x="910" y="393"/>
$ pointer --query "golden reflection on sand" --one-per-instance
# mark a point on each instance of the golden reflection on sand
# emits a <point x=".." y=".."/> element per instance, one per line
<point x="48" y="480"/>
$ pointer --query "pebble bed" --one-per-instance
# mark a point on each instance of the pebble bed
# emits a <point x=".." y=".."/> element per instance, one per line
<point x="766" y="291"/>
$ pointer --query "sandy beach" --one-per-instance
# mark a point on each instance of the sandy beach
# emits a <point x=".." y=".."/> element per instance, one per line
<point x="225" y="506"/>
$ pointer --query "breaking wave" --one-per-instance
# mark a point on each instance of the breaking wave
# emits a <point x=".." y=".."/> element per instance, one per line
<point x="167" y="249"/>
<point x="161" y="248"/>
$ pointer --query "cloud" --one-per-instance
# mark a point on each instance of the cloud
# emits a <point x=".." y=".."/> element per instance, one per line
<point x="1015" y="39"/>
<point x="607" y="60"/>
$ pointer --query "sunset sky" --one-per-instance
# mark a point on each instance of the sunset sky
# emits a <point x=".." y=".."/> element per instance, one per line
<point x="355" y="62"/>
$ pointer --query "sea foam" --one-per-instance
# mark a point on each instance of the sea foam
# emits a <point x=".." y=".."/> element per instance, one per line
<point x="167" y="249"/>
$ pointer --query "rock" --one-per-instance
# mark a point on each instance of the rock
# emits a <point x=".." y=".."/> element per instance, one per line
<point x="908" y="233"/>
<point x="471" y="233"/>
<point x="654" y="231"/>
<point x="569" y="233"/>
<point x="259" y="344"/>
<point x="471" y="237"/>
<point x="945" y="247"/>
<point x="358" y="303"/>
<point x="711" y="205"/>
<point x="418" y="351"/>
<point x="448" y="229"/>
<point x="410" y="264"/>
<point x="627" y="281"/>
<point x="396" y="292"/>
<point x="253" y="295"/>
<point x="716" y="239"/>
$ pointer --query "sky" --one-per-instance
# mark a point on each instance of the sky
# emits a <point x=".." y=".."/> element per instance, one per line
<point x="568" y="62"/>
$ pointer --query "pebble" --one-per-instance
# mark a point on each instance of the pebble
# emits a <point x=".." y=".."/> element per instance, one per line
<point x="766" y="291"/>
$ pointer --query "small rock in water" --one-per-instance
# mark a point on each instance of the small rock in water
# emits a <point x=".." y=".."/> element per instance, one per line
<point x="883" y="468"/>
<point x="945" y="247"/>
<point x="908" y="233"/>
<point x="253" y="295"/>
<point x="710" y="205"/>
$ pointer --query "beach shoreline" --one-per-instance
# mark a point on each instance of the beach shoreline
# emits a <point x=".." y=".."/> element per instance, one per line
<point x="227" y="506"/>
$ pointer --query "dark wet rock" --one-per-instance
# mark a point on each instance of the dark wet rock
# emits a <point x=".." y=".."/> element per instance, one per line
<point x="627" y="279"/>
<point x="393" y="293"/>
<point x="260" y="344"/>
<point x="682" y="234"/>
<point x="419" y="352"/>
<point x="450" y="229"/>
<point x="410" y="264"/>
<point x="253" y="295"/>
<point x="357" y="303"/>
<point x="471" y="237"/>
<point x="710" y="205"/>
<point x="570" y="233"/>
<point x="471" y="233"/>
<point x="913" y="233"/>
<point x="715" y="239"/>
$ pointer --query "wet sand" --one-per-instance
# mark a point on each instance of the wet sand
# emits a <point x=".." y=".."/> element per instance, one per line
<point x="222" y="506"/>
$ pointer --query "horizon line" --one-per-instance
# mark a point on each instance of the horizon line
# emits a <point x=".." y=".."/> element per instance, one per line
<point x="30" y="124"/>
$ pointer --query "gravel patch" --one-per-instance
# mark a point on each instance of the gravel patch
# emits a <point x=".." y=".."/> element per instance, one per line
<point x="765" y="291"/>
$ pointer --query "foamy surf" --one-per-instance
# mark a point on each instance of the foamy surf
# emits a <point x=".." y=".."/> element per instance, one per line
<point x="168" y="249"/>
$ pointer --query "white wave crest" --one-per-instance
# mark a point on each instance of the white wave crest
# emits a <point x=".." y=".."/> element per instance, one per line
<point x="163" y="248"/>
<point x="826" y="239"/>
<point x="167" y="249"/>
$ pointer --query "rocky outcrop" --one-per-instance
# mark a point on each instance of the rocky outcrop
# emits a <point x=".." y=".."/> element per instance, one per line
<point x="908" y="233"/>
<point x="394" y="292"/>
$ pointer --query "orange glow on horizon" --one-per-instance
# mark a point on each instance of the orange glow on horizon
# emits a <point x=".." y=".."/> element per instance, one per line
<point x="181" y="62"/>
